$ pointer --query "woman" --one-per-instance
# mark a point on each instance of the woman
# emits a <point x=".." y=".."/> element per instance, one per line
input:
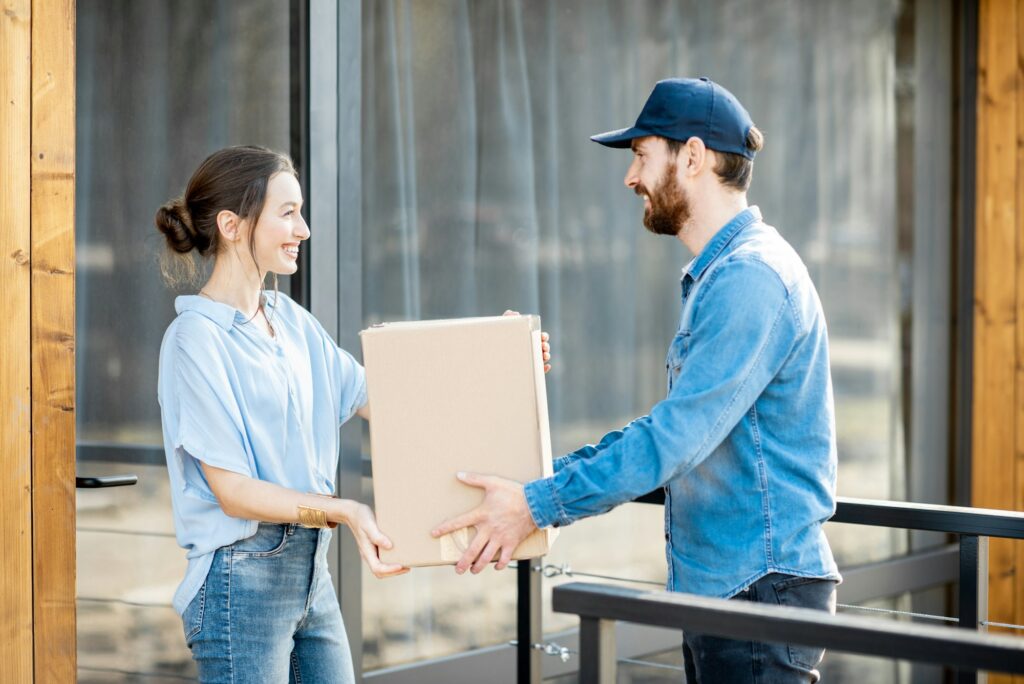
<point x="252" y="391"/>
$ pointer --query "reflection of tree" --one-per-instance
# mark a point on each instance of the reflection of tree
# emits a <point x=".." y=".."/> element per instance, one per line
<point x="160" y="86"/>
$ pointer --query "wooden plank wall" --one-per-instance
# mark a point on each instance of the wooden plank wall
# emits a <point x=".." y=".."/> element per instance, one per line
<point x="998" y="412"/>
<point x="37" y="366"/>
<point x="53" y="338"/>
<point x="15" y="341"/>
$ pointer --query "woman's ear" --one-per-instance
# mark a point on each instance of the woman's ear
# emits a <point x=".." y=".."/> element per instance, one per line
<point x="229" y="225"/>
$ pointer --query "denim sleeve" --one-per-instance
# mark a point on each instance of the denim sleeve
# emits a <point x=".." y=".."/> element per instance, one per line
<point x="744" y="328"/>
<point x="591" y="450"/>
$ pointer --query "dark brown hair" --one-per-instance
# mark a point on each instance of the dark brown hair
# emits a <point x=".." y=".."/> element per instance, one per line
<point x="233" y="179"/>
<point x="733" y="170"/>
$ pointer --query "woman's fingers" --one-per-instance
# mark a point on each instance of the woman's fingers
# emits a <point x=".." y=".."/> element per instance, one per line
<point x="371" y="556"/>
<point x="376" y="536"/>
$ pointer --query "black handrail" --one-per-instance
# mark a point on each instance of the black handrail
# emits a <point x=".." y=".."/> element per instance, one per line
<point x="972" y="525"/>
<point x="983" y="522"/>
<point x="106" y="481"/>
<point x="596" y="604"/>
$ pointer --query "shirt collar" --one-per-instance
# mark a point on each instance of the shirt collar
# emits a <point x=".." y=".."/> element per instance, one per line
<point x="695" y="269"/>
<point x="221" y="314"/>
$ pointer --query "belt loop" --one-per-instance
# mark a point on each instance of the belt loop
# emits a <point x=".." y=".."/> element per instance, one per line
<point x="291" y="529"/>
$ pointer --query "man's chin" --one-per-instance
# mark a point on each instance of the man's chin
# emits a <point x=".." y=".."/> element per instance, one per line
<point x="656" y="229"/>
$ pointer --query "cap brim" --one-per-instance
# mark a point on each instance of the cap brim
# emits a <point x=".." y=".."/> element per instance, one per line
<point x="621" y="138"/>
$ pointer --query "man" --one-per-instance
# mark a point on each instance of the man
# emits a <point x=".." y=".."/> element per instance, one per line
<point x="744" y="443"/>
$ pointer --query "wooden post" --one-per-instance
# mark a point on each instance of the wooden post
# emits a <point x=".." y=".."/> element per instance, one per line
<point x="997" y="471"/>
<point x="15" y="342"/>
<point x="53" y="338"/>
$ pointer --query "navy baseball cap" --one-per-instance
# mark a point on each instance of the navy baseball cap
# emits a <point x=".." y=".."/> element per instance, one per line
<point x="680" y="108"/>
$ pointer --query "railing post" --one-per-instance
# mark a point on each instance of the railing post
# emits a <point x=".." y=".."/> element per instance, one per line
<point x="597" y="651"/>
<point x="973" y="592"/>
<point x="528" y="622"/>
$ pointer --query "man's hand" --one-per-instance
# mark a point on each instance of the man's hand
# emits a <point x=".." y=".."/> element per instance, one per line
<point x="502" y="521"/>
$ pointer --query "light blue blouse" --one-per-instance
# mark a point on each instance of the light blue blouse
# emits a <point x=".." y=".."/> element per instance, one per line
<point x="235" y="398"/>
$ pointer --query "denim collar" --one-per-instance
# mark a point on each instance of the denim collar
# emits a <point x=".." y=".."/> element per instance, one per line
<point x="695" y="269"/>
<point x="222" y="314"/>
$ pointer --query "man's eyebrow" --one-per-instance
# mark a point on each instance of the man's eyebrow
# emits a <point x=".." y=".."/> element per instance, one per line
<point x="635" y="145"/>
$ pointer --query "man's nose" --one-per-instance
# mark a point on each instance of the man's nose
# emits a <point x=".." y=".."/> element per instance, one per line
<point x="631" y="180"/>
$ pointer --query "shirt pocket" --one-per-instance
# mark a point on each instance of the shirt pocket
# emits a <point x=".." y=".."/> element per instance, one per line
<point x="677" y="352"/>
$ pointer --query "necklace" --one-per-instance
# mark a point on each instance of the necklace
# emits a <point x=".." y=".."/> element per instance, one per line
<point x="259" y="310"/>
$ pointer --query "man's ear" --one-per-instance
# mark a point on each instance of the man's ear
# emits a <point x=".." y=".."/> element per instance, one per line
<point x="229" y="225"/>
<point x="696" y="156"/>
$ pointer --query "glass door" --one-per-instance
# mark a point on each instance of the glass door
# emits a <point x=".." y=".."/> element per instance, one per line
<point x="161" y="84"/>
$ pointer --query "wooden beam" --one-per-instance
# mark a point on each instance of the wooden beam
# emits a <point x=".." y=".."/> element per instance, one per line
<point x="53" y="338"/>
<point x="997" y="427"/>
<point x="15" y="341"/>
<point x="1017" y="462"/>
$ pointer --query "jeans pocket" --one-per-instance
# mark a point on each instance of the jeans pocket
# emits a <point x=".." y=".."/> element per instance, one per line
<point x="269" y="540"/>
<point x="805" y="592"/>
<point x="192" y="618"/>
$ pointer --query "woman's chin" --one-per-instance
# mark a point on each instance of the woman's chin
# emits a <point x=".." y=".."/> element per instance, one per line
<point x="285" y="268"/>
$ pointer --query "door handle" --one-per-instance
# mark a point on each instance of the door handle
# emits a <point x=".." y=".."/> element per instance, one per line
<point x="106" y="481"/>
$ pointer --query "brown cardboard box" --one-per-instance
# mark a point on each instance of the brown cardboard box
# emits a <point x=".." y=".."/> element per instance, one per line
<point x="464" y="394"/>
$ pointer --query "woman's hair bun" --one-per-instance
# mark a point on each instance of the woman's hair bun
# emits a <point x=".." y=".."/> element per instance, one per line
<point x="174" y="221"/>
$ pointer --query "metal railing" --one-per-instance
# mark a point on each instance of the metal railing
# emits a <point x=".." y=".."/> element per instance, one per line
<point x="599" y="605"/>
<point x="973" y="527"/>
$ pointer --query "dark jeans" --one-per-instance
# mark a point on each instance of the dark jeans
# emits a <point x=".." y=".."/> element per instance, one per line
<point x="713" y="660"/>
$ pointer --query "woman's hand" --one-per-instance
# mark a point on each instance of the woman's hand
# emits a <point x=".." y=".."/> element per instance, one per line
<point x="545" y="344"/>
<point x="360" y="519"/>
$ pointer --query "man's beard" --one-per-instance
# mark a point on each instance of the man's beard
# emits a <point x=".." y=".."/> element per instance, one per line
<point x="670" y="207"/>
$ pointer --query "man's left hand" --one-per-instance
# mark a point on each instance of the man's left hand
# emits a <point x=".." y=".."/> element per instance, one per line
<point x="502" y="521"/>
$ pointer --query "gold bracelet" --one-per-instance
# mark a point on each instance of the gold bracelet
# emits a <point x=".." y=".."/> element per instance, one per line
<point x="312" y="517"/>
<point x="330" y="524"/>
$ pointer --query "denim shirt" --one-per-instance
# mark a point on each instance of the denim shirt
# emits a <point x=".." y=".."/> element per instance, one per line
<point x="744" y="443"/>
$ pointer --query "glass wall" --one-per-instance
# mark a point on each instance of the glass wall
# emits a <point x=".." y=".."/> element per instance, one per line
<point x="161" y="84"/>
<point x="482" y="192"/>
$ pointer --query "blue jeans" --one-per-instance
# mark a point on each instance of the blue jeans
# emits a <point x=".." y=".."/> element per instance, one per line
<point x="713" y="660"/>
<point x="267" y="612"/>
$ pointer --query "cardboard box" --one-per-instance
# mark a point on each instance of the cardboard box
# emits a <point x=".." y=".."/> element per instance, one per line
<point x="464" y="394"/>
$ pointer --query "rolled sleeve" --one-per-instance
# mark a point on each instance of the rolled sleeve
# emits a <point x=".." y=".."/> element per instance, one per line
<point x="542" y="500"/>
<point x="210" y="426"/>
<point x="351" y="385"/>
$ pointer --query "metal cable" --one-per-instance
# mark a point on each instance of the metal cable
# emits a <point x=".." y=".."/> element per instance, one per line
<point x="139" y="533"/>
<point x="648" y="663"/>
<point x="550" y="570"/>
<point x="1000" y="624"/>
<point x="132" y="673"/>
<point x="923" y="616"/>
<point x="123" y="602"/>
<point x="550" y="648"/>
